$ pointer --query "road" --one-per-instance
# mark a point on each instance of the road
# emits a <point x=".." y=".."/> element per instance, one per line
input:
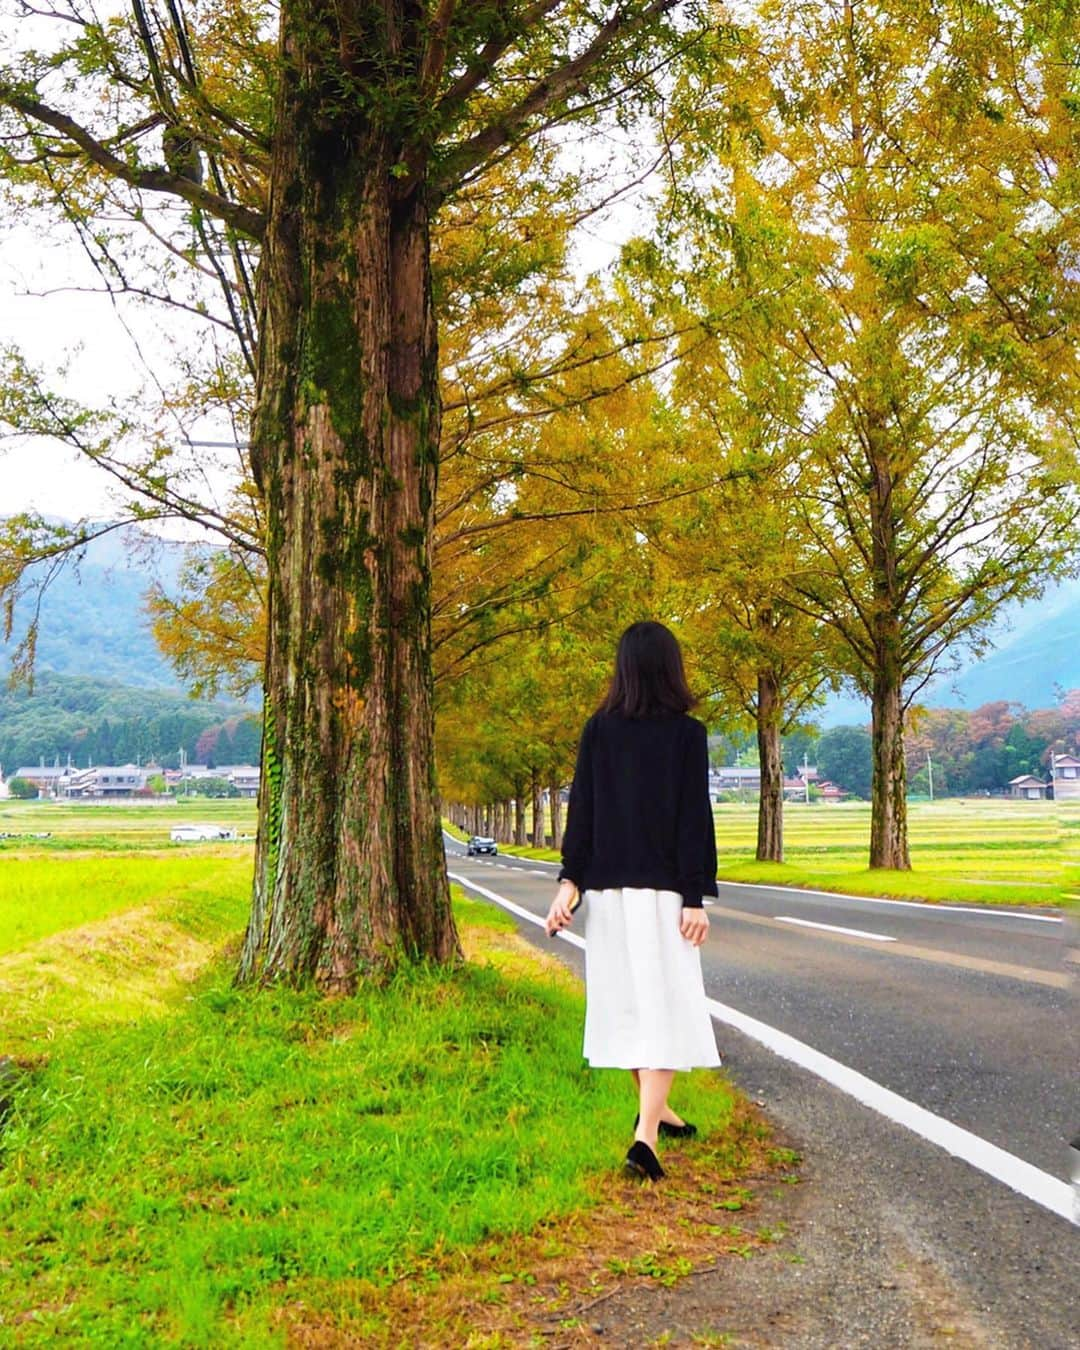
<point x="929" y="1069"/>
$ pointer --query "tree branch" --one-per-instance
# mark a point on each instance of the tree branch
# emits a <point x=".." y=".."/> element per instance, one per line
<point x="241" y="218"/>
<point x="564" y="83"/>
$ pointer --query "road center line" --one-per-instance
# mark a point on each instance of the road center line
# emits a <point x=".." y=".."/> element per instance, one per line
<point x="833" y="928"/>
<point x="1052" y="979"/>
<point x="1045" y="1190"/>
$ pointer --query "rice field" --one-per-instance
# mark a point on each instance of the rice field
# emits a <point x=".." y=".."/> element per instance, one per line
<point x="980" y="850"/>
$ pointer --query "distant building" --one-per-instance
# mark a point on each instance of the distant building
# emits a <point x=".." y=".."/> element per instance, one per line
<point x="104" y="782"/>
<point x="1028" y="787"/>
<point x="1066" y="777"/>
<point x="243" y="777"/>
<point x="747" y="778"/>
<point x="44" y="778"/>
<point x="734" y="778"/>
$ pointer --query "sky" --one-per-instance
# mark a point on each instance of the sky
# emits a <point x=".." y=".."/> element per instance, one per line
<point x="53" y="309"/>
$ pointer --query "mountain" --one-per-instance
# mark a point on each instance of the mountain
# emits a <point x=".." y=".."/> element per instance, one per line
<point x="93" y="624"/>
<point x="1035" y="654"/>
<point x="92" y="617"/>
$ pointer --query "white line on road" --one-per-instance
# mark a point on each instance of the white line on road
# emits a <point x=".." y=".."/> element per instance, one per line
<point x="833" y="928"/>
<point x="925" y="906"/>
<point x="1020" y="1176"/>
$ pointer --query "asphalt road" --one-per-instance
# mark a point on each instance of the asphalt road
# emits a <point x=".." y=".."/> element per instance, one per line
<point x="960" y="1012"/>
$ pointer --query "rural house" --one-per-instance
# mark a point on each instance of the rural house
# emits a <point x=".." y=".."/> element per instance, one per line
<point x="1065" y="771"/>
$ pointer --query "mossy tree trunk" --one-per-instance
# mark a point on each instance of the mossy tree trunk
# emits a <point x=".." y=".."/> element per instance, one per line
<point x="888" y="813"/>
<point x="520" y="835"/>
<point x="537" y="793"/>
<point x="554" y="790"/>
<point x="350" y="876"/>
<point x="769" y="710"/>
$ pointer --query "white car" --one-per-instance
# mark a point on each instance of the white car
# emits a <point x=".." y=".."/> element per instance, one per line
<point x="199" y="834"/>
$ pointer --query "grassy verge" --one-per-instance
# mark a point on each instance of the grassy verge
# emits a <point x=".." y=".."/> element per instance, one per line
<point x="973" y="852"/>
<point x="205" y="1165"/>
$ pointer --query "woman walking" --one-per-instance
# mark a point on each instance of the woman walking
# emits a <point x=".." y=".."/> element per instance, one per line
<point x="640" y="849"/>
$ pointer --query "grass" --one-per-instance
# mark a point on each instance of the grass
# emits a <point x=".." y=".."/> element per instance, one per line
<point x="193" y="1164"/>
<point x="39" y="897"/>
<point x="977" y="851"/>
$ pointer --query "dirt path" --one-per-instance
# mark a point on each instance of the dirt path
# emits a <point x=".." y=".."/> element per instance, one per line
<point x="840" y="1276"/>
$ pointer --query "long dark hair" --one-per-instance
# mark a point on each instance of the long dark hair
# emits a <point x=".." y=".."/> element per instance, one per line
<point x="649" y="679"/>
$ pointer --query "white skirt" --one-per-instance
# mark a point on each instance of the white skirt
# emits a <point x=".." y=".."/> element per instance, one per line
<point x="644" y="994"/>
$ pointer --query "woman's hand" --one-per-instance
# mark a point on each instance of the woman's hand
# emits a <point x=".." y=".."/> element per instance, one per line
<point x="559" y="914"/>
<point x="694" y="926"/>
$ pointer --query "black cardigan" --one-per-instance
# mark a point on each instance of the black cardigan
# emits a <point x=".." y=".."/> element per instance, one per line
<point x="639" y="811"/>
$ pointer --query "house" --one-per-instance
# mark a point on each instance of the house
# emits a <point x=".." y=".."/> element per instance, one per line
<point x="243" y="777"/>
<point x="830" y="792"/>
<point x="104" y="782"/>
<point x="1065" y="772"/>
<point x="1028" y="787"/>
<point x="44" y="778"/>
<point x="734" y="778"/>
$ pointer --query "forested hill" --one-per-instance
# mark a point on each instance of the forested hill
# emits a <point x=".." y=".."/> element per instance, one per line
<point x="93" y="620"/>
<point x="110" y="723"/>
<point x="93" y="623"/>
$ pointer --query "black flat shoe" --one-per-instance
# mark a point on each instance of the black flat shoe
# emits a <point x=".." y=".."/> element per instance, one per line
<point x="684" y="1131"/>
<point x="642" y="1162"/>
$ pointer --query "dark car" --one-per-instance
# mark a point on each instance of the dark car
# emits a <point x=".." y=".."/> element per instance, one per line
<point x="480" y="843"/>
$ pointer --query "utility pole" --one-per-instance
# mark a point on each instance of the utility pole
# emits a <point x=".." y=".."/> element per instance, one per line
<point x="806" y="777"/>
<point x="930" y="773"/>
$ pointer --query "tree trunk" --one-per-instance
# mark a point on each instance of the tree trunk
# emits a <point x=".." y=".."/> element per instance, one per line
<point x="349" y="869"/>
<point x="520" y="836"/>
<point x="555" y="798"/>
<point x="537" y="808"/>
<point x="770" y="833"/>
<point x="888" y="792"/>
<point x="888" y="815"/>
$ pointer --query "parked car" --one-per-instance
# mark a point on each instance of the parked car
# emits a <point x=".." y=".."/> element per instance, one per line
<point x="480" y="843"/>
<point x="200" y="834"/>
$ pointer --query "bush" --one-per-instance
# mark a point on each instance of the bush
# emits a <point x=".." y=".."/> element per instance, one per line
<point x="22" y="788"/>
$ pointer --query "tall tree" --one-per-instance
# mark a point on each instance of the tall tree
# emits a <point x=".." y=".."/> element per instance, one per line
<point x="917" y="169"/>
<point x="381" y="111"/>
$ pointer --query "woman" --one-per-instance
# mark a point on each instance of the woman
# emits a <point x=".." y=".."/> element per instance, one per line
<point x="640" y="848"/>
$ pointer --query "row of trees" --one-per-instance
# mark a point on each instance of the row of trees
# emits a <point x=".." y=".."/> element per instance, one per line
<point x="820" y="418"/>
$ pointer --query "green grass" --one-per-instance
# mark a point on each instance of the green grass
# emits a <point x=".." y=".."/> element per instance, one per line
<point x="977" y="851"/>
<point x="189" y="1155"/>
<point x="41" y="896"/>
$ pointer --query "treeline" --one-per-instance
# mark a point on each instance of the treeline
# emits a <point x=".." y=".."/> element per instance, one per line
<point x="967" y="751"/>
<point x="983" y="750"/>
<point x="103" y="722"/>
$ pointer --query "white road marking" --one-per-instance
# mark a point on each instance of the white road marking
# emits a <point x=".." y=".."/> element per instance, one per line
<point x="834" y="928"/>
<point x="924" y="905"/>
<point x="873" y="899"/>
<point x="1045" y="1190"/>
